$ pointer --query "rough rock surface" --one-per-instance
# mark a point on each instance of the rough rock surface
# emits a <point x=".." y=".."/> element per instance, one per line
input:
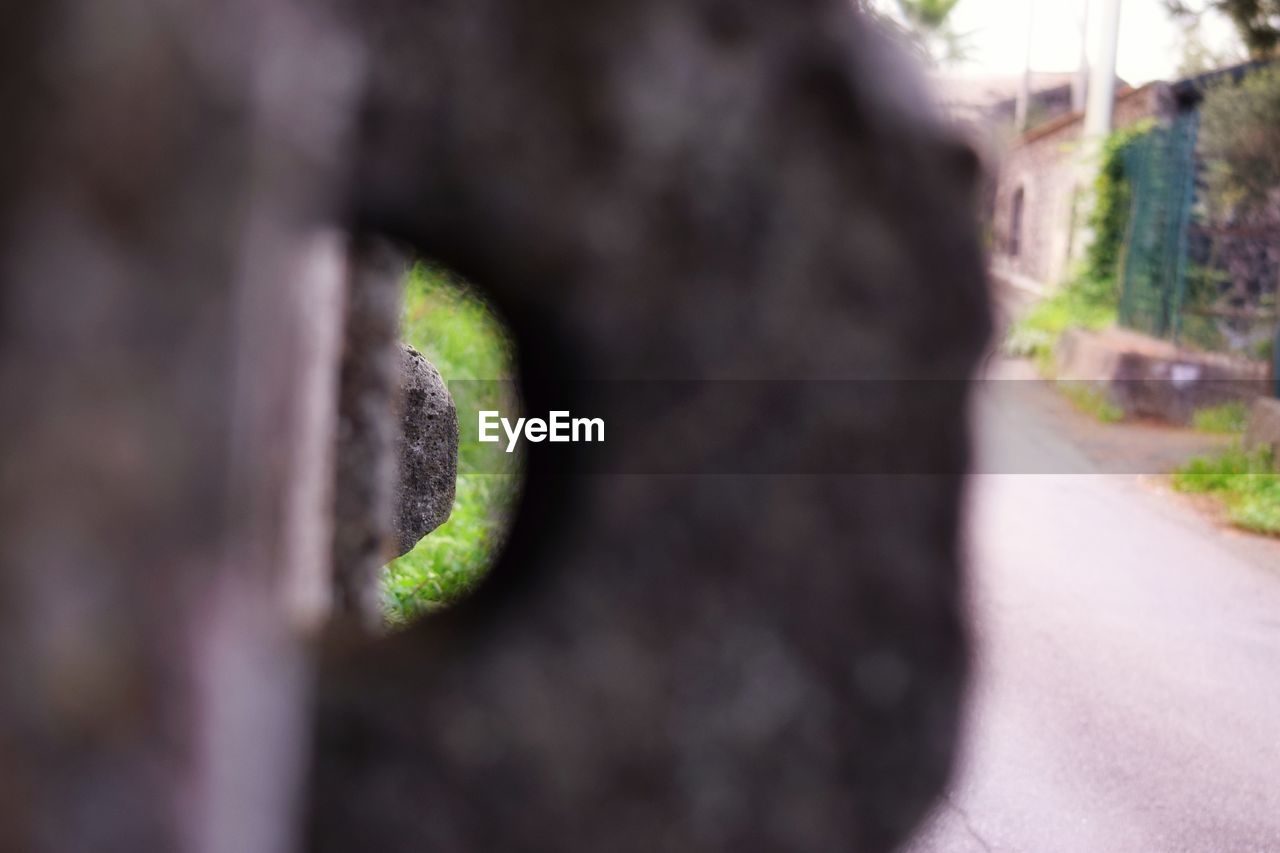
<point x="166" y="449"/>
<point x="426" y="451"/>
<point x="397" y="445"/>
<point x="646" y="189"/>
<point x="677" y="190"/>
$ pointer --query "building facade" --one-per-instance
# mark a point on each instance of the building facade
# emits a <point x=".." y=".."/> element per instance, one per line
<point x="1040" y="194"/>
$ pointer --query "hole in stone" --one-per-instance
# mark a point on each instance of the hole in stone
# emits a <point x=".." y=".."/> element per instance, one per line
<point x="447" y="320"/>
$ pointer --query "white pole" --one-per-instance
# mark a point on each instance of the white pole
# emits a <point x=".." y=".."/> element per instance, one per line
<point x="1022" y="107"/>
<point x="1080" y="86"/>
<point x="1102" y="78"/>
<point x="1099" y="106"/>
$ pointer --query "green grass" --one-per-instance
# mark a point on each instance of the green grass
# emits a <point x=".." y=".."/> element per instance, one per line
<point x="1225" y="419"/>
<point x="1245" y="482"/>
<point x="1092" y="402"/>
<point x="447" y="322"/>
<point x="1080" y="304"/>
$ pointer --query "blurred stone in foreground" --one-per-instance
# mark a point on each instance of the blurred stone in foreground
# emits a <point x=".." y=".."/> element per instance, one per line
<point x="673" y="190"/>
<point x="645" y="190"/>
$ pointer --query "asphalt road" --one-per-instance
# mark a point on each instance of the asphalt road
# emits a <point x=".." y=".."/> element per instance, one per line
<point x="1127" y="686"/>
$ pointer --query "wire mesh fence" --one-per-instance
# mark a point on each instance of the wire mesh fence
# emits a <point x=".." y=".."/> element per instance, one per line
<point x="1185" y="277"/>
<point x="1161" y="167"/>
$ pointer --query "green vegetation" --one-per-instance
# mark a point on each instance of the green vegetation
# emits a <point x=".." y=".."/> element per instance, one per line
<point x="1245" y="482"/>
<point x="1082" y="304"/>
<point x="1112" y="203"/>
<point x="1256" y="21"/>
<point x="1090" y="299"/>
<point x="448" y="323"/>
<point x="1091" y="401"/>
<point x="1225" y="419"/>
<point x="1201" y="54"/>
<point x="1240" y="143"/>
<point x="1239" y="147"/>
<point x="929" y="23"/>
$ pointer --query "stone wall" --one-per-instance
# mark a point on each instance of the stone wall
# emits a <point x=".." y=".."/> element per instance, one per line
<point x="1045" y="166"/>
<point x="1144" y="377"/>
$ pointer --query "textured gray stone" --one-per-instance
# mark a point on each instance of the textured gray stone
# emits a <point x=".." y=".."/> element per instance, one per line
<point x="646" y="189"/>
<point x="397" y="445"/>
<point x="169" y="349"/>
<point x="426" y="451"/>
<point x="677" y="190"/>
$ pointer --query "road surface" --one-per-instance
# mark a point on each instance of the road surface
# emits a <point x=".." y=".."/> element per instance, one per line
<point x="1127" y="687"/>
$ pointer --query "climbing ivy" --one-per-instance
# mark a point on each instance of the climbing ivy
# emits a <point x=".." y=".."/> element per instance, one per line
<point x="1089" y="299"/>
<point x="1109" y="219"/>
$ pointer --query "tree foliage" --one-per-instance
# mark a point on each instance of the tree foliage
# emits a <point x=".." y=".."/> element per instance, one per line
<point x="929" y="22"/>
<point x="927" y="15"/>
<point x="1198" y="56"/>
<point x="1257" y="21"/>
<point x="1240" y="144"/>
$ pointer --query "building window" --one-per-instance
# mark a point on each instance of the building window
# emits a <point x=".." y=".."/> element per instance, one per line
<point x="1015" y="223"/>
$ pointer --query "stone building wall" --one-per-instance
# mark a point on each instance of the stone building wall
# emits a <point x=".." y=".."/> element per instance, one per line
<point x="1043" y="167"/>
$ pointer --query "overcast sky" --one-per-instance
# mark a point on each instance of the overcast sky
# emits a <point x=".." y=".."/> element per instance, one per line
<point x="1150" y="43"/>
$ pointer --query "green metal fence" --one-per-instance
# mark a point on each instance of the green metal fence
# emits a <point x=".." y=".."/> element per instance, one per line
<point x="1201" y="284"/>
<point x="1161" y="168"/>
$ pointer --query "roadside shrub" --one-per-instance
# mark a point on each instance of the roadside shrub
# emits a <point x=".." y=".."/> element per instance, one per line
<point x="1245" y="482"/>
<point x="1092" y="402"/>
<point x="1227" y="418"/>
<point x="1083" y="303"/>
